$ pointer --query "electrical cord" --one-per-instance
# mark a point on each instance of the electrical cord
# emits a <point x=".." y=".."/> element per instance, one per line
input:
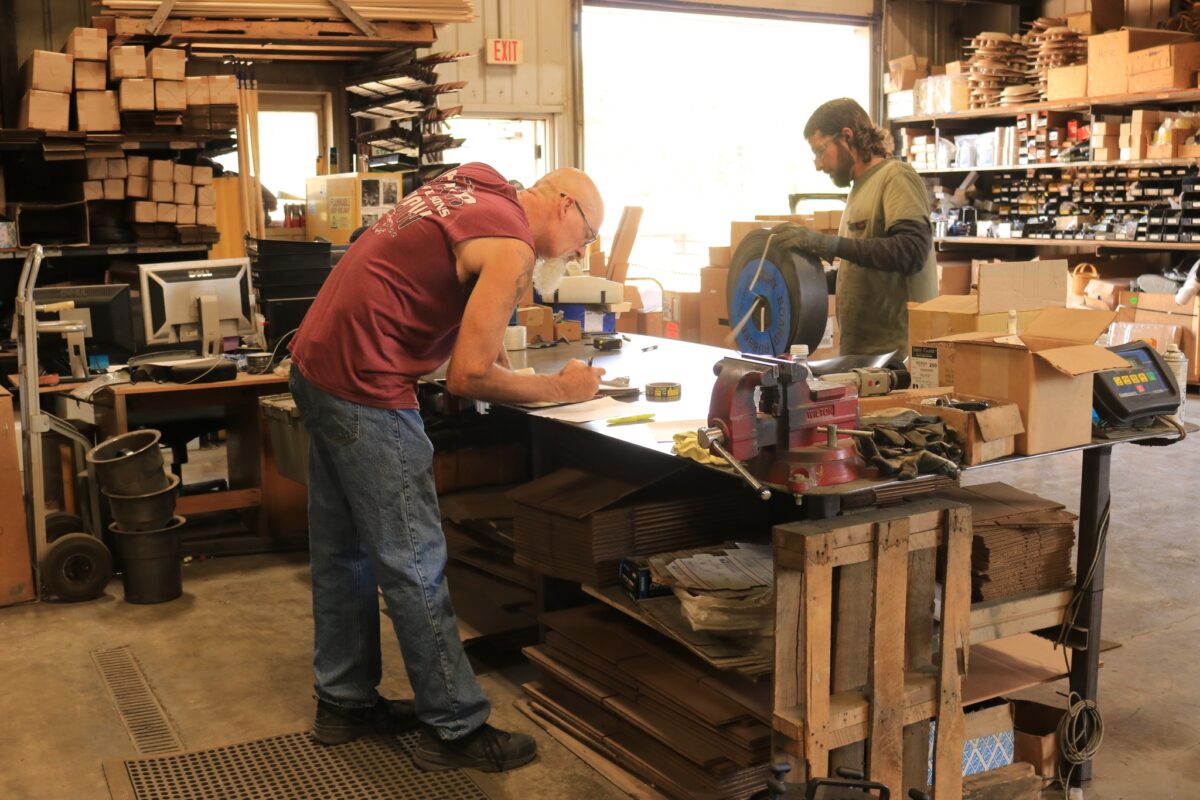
<point x="274" y="352"/>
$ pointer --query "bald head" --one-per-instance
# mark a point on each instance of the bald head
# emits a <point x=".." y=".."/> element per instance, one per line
<point x="565" y="212"/>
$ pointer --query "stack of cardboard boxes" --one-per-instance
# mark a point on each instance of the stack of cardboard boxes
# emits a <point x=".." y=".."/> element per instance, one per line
<point x="164" y="191"/>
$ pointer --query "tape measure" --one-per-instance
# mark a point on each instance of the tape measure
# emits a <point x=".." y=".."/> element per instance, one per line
<point x="663" y="392"/>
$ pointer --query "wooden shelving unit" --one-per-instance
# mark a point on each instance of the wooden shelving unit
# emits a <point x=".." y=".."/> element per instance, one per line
<point x="1144" y="164"/>
<point x="1180" y="97"/>
<point x="1094" y="244"/>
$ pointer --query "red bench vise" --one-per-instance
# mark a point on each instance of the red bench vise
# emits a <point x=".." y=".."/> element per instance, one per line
<point x="777" y="424"/>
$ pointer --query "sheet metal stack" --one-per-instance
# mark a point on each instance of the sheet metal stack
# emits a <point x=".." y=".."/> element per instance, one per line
<point x="1050" y="43"/>
<point x="578" y="526"/>
<point x="997" y="61"/>
<point x="689" y="730"/>
<point x="1022" y="542"/>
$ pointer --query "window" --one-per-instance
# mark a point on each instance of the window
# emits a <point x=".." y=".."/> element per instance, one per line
<point x="699" y="119"/>
<point x="517" y="148"/>
<point x="291" y="135"/>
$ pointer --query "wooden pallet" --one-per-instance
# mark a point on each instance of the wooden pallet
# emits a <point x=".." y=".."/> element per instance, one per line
<point x="278" y="40"/>
<point x="854" y="674"/>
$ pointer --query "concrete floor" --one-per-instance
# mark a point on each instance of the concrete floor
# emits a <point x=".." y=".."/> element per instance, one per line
<point x="230" y="661"/>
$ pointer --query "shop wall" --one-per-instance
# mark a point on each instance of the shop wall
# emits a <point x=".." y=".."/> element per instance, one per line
<point x="939" y="30"/>
<point x="1138" y="13"/>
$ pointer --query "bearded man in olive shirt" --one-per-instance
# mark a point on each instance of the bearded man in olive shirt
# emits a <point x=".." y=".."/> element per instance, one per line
<point x="885" y="243"/>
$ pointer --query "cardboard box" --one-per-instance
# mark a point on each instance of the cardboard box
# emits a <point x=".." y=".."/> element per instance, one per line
<point x="1101" y="130"/>
<point x="719" y="256"/>
<point x="538" y="322"/>
<point x="1106" y="153"/>
<point x="571" y="330"/>
<point x="47" y="111"/>
<point x="126" y="61"/>
<point x="985" y="435"/>
<point x="162" y="191"/>
<point x="931" y="364"/>
<point x="185" y="215"/>
<point x="144" y="211"/>
<point x="117" y="168"/>
<point x="138" y="165"/>
<point x="1047" y="371"/>
<point x="1021" y="285"/>
<point x="206" y="195"/>
<point x="1105" y="293"/>
<point x="222" y="90"/>
<point x="954" y="278"/>
<point x="904" y="71"/>
<point x="49" y="72"/>
<point x="206" y="215"/>
<point x="739" y="231"/>
<point x="97" y="111"/>
<point x="137" y="94"/>
<point x="1181" y="55"/>
<point x="1163" y="80"/>
<point x="93" y="190"/>
<point x="97" y="169"/>
<point x="166" y="212"/>
<point x="114" y="189"/>
<point x="1082" y="23"/>
<point x="1109" y="56"/>
<point x="137" y="186"/>
<point x="87" y="44"/>
<point x="681" y="316"/>
<point x="1035" y="738"/>
<point x="91" y="76"/>
<point x="1146" y="118"/>
<point x="166" y="64"/>
<point x="16" y="575"/>
<point x="185" y="194"/>
<point x="170" y="95"/>
<point x="197" y="90"/>
<point x="987" y="744"/>
<point x="162" y="170"/>
<point x="714" y="306"/>
<point x="182" y="173"/>
<point x="202" y="175"/>
<point x="1067" y="83"/>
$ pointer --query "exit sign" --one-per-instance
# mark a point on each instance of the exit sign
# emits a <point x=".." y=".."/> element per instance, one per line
<point x="505" y="51"/>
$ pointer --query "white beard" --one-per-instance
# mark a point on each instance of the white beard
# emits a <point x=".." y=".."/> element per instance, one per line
<point x="548" y="274"/>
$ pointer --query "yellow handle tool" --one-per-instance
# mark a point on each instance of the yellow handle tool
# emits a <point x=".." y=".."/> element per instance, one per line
<point x="631" y="420"/>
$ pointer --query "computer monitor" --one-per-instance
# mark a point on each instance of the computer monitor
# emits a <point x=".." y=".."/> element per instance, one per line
<point x="201" y="302"/>
<point x="107" y="315"/>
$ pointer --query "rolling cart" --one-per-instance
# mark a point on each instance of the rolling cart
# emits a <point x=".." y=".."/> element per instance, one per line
<point x="71" y="561"/>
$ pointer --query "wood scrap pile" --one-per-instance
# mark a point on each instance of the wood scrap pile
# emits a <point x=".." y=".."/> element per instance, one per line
<point x="438" y="11"/>
<point x="1022" y="543"/>
<point x="687" y="729"/>
<point x="578" y="525"/>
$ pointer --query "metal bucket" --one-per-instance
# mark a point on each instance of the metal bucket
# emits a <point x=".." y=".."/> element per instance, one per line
<point x="130" y="464"/>
<point x="144" y="512"/>
<point x="151" y="569"/>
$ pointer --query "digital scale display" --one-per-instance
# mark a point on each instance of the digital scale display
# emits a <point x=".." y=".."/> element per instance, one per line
<point x="1142" y="377"/>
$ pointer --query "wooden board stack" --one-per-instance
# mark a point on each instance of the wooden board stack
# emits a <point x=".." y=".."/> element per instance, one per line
<point x="438" y="11"/>
<point x="996" y="61"/>
<point x="688" y="729"/>
<point x="1050" y="43"/>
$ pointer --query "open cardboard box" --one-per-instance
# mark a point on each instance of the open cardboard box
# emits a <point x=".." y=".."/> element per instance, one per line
<point x="985" y="435"/>
<point x="1047" y="371"/>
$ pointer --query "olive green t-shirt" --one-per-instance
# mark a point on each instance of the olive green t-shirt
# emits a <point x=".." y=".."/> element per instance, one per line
<point x="872" y="304"/>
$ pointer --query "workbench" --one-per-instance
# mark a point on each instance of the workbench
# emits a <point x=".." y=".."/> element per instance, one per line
<point x="645" y="359"/>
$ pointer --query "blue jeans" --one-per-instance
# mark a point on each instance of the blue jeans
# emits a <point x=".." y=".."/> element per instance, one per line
<point x="373" y="520"/>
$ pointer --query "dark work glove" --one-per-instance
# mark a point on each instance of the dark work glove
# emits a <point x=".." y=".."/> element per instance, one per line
<point x="822" y="245"/>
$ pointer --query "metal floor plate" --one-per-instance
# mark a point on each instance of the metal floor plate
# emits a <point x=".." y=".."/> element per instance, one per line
<point x="293" y="767"/>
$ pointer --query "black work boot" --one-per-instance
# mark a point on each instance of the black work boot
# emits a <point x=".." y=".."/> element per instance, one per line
<point x="338" y="725"/>
<point x="486" y="749"/>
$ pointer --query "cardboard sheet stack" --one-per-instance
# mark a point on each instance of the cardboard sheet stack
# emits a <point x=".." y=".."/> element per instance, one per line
<point x="1022" y="542"/>
<point x="578" y="526"/>
<point x="688" y="729"/>
<point x="478" y="525"/>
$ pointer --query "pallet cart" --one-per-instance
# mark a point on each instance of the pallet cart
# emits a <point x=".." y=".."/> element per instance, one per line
<point x="71" y="561"/>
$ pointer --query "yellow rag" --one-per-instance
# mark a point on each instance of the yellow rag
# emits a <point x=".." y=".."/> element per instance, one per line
<point x="687" y="446"/>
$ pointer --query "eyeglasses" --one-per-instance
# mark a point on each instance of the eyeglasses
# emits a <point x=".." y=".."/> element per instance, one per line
<point x="819" y="151"/>
<point x="592" y="235"/>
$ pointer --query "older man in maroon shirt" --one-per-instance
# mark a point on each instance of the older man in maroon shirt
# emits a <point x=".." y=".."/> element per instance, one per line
<point x="435" y="278"/>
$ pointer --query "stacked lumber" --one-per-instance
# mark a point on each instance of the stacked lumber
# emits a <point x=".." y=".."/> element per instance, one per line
<point x="688" y="729"/>
<point x="1021" y="542"/>
<point x="437" y="11"/>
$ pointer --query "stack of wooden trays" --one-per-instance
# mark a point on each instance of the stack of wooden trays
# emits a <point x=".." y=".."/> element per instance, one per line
<point x="1050" y="43"/>
<point x="996" y="61"/>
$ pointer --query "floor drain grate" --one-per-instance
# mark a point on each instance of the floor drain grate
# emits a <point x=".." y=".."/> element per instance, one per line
<point x="143" y="716"/>
<point x="293" y="767"/>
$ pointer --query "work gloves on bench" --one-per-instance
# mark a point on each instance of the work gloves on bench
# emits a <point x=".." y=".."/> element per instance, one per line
<point x="906" y="444"/>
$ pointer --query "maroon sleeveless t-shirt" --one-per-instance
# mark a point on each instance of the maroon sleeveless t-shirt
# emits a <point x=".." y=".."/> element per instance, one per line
<point x="390" y="311"/>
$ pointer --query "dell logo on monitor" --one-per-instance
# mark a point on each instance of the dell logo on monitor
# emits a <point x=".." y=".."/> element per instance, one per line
<point x="196" y="274"/>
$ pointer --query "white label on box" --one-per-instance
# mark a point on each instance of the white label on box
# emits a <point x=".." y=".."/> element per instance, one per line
<point x="593" y="321"/>
<point x="923" y="367"/>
